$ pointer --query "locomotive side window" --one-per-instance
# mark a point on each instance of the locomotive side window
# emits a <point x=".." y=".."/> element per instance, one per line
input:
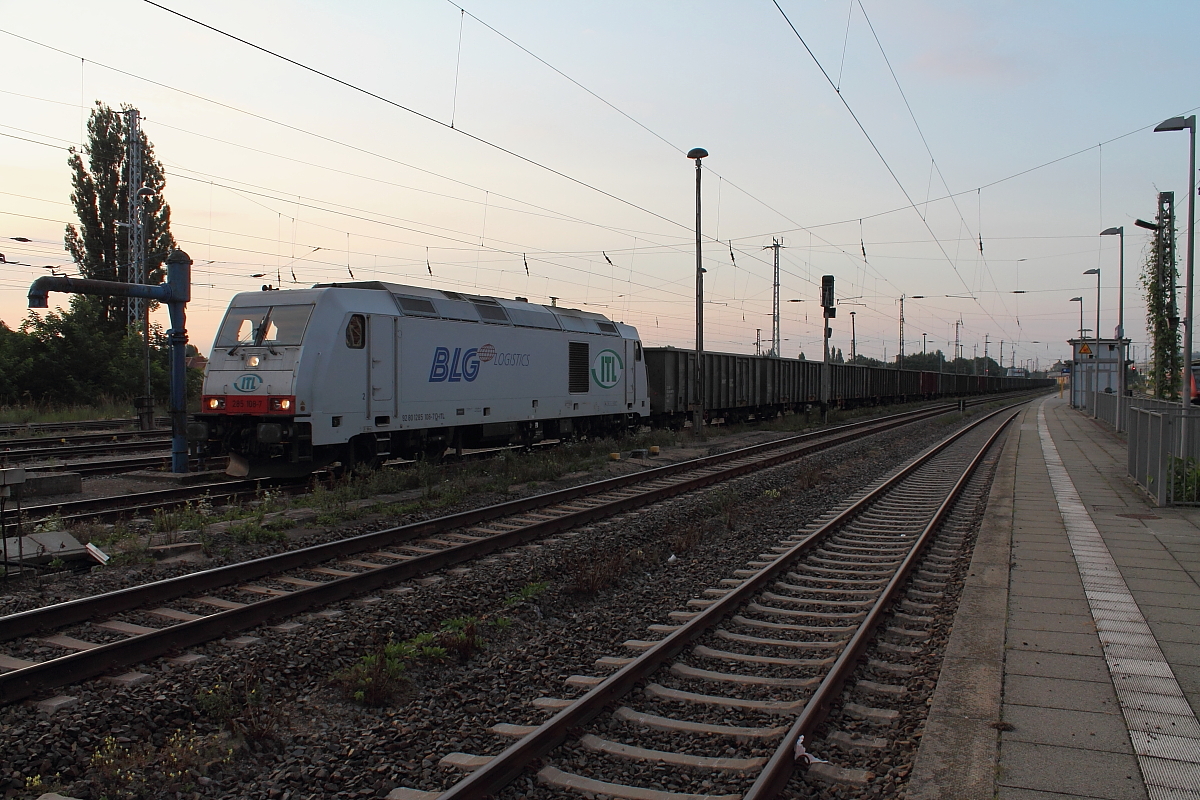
<point x="637" y="351"/>
<point x="356" y="332"/>
<point x="579" y="360"/>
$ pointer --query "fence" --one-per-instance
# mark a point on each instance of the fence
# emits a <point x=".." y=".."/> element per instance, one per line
<point x="1164" y="446"/>
<point x="1115" y="410"/>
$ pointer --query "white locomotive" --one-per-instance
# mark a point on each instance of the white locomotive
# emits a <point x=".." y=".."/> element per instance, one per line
<point x="360" y="372"/>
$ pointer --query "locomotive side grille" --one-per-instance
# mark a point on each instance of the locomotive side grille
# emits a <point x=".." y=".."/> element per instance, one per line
<point x="578" y="360"/>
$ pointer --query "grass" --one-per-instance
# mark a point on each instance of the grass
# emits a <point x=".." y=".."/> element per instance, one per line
<point x="105" y="408"/>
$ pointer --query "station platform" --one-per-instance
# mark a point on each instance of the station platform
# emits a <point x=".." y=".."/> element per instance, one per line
<point x="1073" y="668"/>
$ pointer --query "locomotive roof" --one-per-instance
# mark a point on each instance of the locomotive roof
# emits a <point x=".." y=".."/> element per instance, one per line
<point x="424" y="302"/>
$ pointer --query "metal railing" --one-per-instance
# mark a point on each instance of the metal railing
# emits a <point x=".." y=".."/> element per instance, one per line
<point x="1164" y="453"/>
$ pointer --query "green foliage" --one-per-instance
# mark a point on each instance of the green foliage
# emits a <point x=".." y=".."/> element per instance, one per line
<point x="241" y="706"/>
<point x="1158" y="279"/>
<point x="460" y="636"/>
<point x="98" y="245"/>
<point x="377" y="678"/>
<point x="64" y="358"/>
<point x="527" y="593"/>
<point x="74" y="357"/>
<point x="1185" y="480"/>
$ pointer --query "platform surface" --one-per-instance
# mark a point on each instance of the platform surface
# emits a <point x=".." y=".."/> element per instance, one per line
<point x="1073" y="669"/>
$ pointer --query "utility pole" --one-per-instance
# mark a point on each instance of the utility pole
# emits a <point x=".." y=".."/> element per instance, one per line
<point x="853" y="338"/>
<point x="698" y="405"/>
<point x="900" y="352"/>
<point x="1001" y="356"/>
<point x="975" y="359"/>
<point x="986" y="363"/>
<point x="775" y="336"/>
<point x="758" y="341"/>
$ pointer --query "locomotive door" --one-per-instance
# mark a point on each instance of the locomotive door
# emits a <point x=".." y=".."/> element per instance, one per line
<point x="382" y="344"/>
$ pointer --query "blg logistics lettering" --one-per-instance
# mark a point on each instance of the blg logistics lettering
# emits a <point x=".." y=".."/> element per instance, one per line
<point x="464" y="365"/>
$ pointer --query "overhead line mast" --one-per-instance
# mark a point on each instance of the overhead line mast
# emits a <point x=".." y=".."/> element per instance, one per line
<point x="775" y="340"/>
<point x="135" y="268"/>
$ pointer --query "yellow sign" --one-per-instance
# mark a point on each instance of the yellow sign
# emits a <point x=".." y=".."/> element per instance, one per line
<point x="1085" y="350"/>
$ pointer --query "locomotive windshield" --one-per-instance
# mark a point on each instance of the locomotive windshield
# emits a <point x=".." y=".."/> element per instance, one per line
<point x="264" y="325"/>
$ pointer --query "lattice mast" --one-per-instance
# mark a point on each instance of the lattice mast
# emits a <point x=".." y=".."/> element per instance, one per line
<point x="776" y="342"/>
<point x="135" y="269"/>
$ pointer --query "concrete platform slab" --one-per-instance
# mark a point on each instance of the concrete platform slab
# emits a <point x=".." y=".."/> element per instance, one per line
<point x="1063" y="727"/>
<point x="1052" y="768"/>
<point x="1056" y="665"/>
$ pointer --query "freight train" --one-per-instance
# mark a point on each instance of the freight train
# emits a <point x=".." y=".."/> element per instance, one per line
<point x="365" y="371"/>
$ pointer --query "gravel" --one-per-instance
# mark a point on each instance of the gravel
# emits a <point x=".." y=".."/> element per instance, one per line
<point x="323" y="746"/>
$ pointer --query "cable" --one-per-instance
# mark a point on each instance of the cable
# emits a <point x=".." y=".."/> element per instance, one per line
<point x="888" y="166"/>
<point x="426" y="117"/>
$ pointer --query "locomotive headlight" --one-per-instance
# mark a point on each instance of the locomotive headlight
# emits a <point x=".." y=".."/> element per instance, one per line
<point x="215" y="403"/>
<point x="281" y="404"/>
<point x="253" y="361"/>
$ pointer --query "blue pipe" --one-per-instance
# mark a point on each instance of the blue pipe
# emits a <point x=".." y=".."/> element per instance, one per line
<point x="176" y="293"/>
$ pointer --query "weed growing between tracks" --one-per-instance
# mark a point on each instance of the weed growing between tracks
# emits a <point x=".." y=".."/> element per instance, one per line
<point x="146" y="771"/>
<point x="380" y="678"/>
<point x="243" y="706"/>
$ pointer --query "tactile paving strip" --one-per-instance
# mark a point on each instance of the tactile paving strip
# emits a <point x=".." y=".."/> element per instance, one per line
<point x="1150" y="697"/>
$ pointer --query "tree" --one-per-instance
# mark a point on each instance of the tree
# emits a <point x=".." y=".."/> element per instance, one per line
<point x="1159" y="278"/>
<point x="98" y="245"/>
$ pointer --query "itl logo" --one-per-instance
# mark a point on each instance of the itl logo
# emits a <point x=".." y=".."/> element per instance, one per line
<point x="247" y="382"/>
<point x="452" y="369"/>
<point x="607" y="368"/>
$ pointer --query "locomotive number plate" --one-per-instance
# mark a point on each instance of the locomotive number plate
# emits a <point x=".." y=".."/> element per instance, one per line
<point x="252" y="404"/>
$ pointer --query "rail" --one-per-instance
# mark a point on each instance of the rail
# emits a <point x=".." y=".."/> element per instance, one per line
<point x="489" y="779"/>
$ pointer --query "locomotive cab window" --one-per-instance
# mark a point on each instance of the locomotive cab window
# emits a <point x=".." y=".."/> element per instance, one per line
<point x="264" y="325"/>
<point x="356" y="332"/>
<point x="637" y="351"/>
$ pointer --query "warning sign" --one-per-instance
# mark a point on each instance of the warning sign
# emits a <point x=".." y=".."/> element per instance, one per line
<point x="1085" y="350"/>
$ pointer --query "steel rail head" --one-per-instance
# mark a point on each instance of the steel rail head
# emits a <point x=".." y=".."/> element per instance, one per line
<point x="491" y="778"/>
<point x="778" y="771"/>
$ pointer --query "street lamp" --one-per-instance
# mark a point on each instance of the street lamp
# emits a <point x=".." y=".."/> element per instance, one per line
<point x="1120" y="231"/>
<point x="1096" y="355"/>
<point x="1075" y="365"/>
<point x="698" y="407"/>
<point x="1178" y="124"/>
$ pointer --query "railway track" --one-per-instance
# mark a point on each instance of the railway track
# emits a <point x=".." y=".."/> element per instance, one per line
<point x="103" y="509"/>
<point x="52" y="448"/>
<point x="704" y="711"/>
<point x="15" y="428"/>
<point x="114" y="466"/>
<point x="133" y="625"/>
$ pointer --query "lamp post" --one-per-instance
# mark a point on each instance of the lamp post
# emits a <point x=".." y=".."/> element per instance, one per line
<point x="1078" y="362"/>
<point x="1178" y="124"/>
<point x="1121" y="380"/>
<point x="698" y="406"/>
<point x="1096" y="355"/>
